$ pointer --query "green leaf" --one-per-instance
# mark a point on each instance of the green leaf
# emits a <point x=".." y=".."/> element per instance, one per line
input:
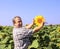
<point x="34" y="44"/>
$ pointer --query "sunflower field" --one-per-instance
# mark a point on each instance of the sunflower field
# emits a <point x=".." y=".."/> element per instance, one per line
<point x="47" y="38"/>
<point x="6" y="40"/>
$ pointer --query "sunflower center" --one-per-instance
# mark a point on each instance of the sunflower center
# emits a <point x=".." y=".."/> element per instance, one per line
<point x="39" y="20"/>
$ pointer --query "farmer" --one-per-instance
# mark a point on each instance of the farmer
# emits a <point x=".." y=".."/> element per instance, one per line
<point x="22" y="33"/>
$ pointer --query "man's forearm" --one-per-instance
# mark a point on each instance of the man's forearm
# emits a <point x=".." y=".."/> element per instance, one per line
<point x="29" y="26"/>
<point x="38" y="28"/>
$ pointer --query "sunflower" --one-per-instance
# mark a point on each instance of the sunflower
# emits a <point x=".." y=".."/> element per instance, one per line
<point x="39" y="20"/>
<point x="58" y="44"/>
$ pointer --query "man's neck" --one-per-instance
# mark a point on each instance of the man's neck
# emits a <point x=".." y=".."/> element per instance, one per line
<point x="17" y="26"/>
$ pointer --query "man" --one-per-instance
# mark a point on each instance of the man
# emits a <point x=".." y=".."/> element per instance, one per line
<point x="21" y="34"/>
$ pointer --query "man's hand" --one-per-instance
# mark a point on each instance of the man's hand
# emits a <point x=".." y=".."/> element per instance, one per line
<point x="30" y="25"/>
<point x="38" y="27"/>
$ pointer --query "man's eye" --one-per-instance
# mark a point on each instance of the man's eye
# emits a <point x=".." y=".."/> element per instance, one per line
<point x="19" y="21"/>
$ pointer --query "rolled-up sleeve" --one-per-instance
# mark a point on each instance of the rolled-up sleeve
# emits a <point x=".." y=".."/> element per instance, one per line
<point x="30" y="32"/>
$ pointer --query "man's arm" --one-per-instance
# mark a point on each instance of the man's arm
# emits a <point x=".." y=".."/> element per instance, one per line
<point x="38" y="28"/>
<point x="30" y="25"/>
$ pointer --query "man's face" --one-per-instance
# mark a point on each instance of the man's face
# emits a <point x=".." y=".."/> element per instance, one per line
<point x="18" y="22"/>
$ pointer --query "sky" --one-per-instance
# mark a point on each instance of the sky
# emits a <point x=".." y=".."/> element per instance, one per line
<point x="28" y="9"/>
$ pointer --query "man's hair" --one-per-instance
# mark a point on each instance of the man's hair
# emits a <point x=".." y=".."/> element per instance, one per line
<point x="14" y="19"/>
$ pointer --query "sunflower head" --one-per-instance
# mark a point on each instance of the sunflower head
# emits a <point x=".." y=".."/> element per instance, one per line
<point x="39" y="20"/>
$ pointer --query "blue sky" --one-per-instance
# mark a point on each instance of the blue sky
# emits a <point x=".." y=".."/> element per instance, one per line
<point x="28" y="9"/>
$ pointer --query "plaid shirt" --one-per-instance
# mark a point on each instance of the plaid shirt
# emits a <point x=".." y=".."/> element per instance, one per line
<point x="21" y="37"/>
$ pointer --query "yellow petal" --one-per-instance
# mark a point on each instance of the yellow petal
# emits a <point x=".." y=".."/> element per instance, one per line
<point x="39" y="20"/>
